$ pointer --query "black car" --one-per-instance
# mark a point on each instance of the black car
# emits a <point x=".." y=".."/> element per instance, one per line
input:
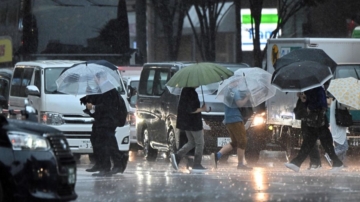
<point x="36" y="163"/>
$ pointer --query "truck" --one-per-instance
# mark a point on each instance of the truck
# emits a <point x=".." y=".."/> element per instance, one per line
<point x="283" y="129"/>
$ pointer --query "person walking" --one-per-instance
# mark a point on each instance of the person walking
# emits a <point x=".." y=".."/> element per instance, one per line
<point x="300" y="112"/>
<point x="189" y="119"/>
<point x="105" y="109"/>
<point x="234" y="124"/>
<point x="338" y="134"/>
<point x="318" y="128"/>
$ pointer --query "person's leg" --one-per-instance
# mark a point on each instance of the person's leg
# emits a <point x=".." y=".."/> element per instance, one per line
<point x="307" y="145"/>
<point x="95" y="145"/>
<point x="341" y="149"/>
<point x="118" y="157"/>
<point x="314" y="154"/>
<point x="104" y="153"/>
<point x="199" y="147"/>
<point x="187" y="147"/>
<point x="327" y="143"/>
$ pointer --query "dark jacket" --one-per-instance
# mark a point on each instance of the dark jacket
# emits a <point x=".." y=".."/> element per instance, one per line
<point x="105" y="113"/>
<point x="189" y="102"/>
<point x="316" y="99"/>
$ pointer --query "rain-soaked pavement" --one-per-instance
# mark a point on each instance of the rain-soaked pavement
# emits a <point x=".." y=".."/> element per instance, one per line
<point x="268" y="181"/>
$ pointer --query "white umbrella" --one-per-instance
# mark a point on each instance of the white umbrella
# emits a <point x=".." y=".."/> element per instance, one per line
<point x="254" y="81"/>
<point x="346" y="91"/>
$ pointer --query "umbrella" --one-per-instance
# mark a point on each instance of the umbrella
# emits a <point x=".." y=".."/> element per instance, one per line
<point x="301" y="76"/>
<point x="306" y="54"/>
<point x="199" y="74"/>
<point x="252" y="81"/>
<point x="346" y="91"/>
<point x="87" y="78"/>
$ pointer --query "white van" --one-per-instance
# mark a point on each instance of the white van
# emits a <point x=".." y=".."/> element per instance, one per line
<point x="36" y="81"/>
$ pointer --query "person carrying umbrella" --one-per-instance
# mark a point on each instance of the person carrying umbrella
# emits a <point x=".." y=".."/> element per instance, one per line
<point x="102" y="107"/>
<point x="234" y="123"/>
<point x="318" y="128"/>
<point x="189" y="119"/>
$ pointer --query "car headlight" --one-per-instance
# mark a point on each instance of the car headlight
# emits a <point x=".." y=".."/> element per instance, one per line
<point x="259" y="119"/>
<point x="26" y="141"/>
<point x="51" y="118"/>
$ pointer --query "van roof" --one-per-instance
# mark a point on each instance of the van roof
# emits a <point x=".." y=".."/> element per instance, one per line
<point x="49" y="63"/>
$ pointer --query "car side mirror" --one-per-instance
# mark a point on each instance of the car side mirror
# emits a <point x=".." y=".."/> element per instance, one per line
<point x="32" y="90"/>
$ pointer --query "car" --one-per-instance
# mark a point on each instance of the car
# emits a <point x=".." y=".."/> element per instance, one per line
<point x="36" y="163"/>
<point x="157" y="111"/>
<point x="131" y="84"/>
<point x="36" y="81"/>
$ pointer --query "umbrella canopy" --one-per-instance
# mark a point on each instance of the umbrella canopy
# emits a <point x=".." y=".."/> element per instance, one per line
<point x="87" y="78"/>
<point x="199" y="74"/>
<point x="346" y="91"/>
<point x="306" y="54"/>
<point x="301" y="76"/>
<point x="254" y="82"/>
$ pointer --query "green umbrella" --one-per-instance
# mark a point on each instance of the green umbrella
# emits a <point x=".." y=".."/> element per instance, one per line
<point x="199" y="74"/>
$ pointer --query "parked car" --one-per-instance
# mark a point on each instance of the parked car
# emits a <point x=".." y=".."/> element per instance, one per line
<point x="157" y="111"/>
<point x="35" y="80"/>
<point x="132" y="84"/>
<point x="36" y="162"/>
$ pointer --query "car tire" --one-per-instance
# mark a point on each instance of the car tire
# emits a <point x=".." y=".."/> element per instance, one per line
<point x="150" y="154"/>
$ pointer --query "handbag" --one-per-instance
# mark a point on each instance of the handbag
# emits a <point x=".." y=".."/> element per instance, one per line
<point x="315" y="118"/>
<point x="343" y="117"/>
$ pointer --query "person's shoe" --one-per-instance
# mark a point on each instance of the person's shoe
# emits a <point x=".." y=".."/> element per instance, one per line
<point x="198" y="169"/>
<point x="115" y="170"/>
<point x="314" y="167"/>
<point x="95" y="168"/>
<point x="292" y="167"/>
<point x="174" y="161"/>
<point x="328" y="159"/>
<point x="338" y="168"/>
<point x="243" y="167"/>
<point x="215" y="159"/>
<point x="102" y="173"/>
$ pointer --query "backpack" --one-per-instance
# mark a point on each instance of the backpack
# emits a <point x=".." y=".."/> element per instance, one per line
<point x="121" y="111"/>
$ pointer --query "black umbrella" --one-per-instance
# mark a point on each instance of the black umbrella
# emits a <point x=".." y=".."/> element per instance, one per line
<point x="301" y="76"/>
<point x="306" y="54"/>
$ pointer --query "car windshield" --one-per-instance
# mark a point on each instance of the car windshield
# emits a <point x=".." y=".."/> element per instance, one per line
<point x="344" y="71"/>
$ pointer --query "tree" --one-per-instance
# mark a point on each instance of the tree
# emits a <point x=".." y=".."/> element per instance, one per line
<point x="171" y="14"/>
<point x="140" y="9"/>
<point x="286" y="9"/>
<point x="208" y="12"/>
<point x="238" y="41"/>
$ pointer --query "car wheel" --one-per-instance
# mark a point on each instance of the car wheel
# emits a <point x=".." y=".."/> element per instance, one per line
<point x="171" y="142"/>
<point x="149" y="153"/>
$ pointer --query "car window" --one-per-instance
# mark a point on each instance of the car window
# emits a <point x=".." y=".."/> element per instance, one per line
<point x="345" y="71"/>
<point x="21" y="79"/>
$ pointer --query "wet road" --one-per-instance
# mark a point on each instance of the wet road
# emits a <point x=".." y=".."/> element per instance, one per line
<point x="268" y="181"/>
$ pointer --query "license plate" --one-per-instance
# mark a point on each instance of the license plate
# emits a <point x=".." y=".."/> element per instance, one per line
<point x="85" y="144"/>
<point x="71" y="176"/>
<point x="221" y="141"/>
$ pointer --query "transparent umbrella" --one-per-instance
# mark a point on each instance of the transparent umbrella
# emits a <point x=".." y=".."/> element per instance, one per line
<point x="87" y="79"/>
<point x="254" y="82"/>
